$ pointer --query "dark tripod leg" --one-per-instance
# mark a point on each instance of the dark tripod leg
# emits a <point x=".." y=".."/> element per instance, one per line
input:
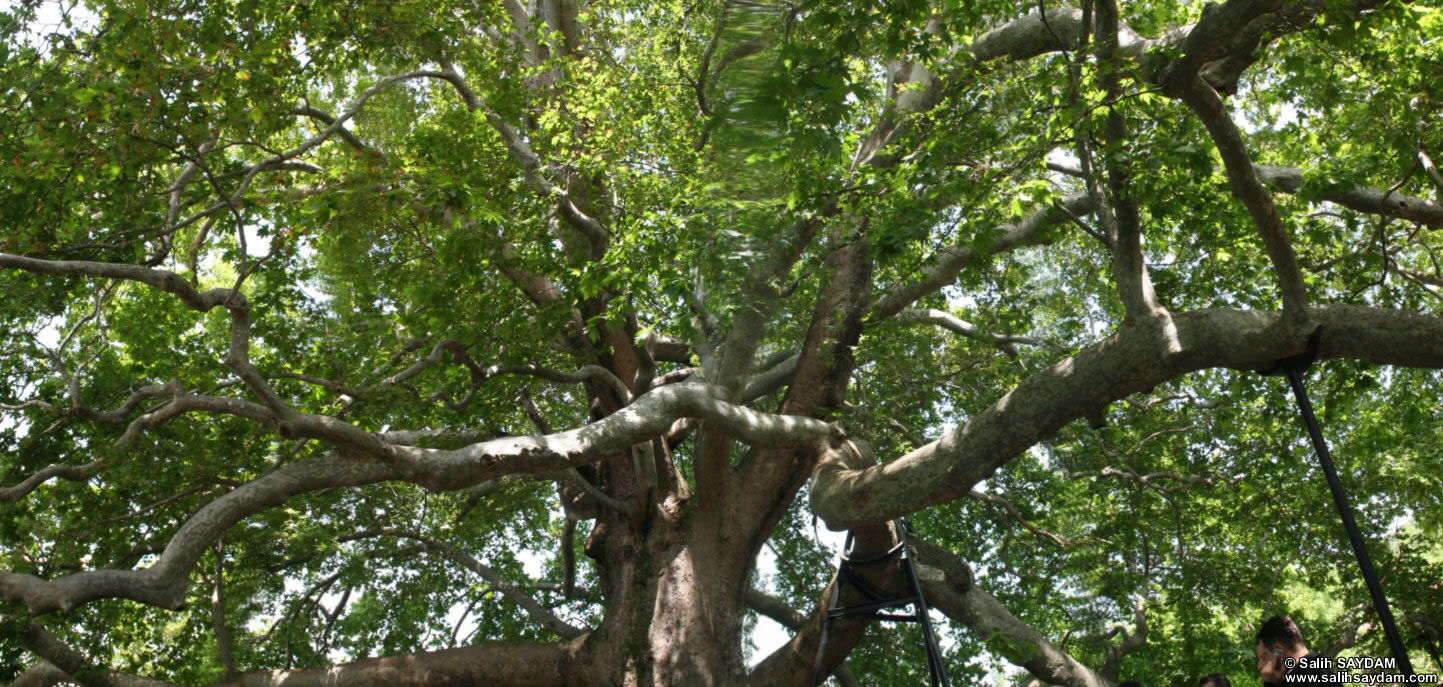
<point x="1380" y="602"/>
<point x="817" y="675"/>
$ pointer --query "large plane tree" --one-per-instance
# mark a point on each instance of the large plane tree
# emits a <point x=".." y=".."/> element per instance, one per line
<point x="519" y="342"/>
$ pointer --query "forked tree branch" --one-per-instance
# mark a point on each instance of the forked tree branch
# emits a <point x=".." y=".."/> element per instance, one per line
<point x="1219" y="24"/>
<point x="1284" y="179"/>
<point x="1131" y="641"/>
<point x="342" y="132"/>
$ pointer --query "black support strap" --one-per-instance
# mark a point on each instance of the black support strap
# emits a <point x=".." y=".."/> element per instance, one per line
<point x="880" y="600"/>
<point x="1294" y="368"/>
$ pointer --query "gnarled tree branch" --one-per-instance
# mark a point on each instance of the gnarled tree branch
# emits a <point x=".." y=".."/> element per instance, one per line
<point x="1135" y="359"/>
<point x="74" y="473"/>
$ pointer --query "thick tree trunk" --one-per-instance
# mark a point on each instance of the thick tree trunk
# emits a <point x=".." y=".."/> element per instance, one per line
<point x="673" y="603"/>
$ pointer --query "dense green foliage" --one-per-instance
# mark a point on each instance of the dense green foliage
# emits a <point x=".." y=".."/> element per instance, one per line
<point x="1199" y="500"/>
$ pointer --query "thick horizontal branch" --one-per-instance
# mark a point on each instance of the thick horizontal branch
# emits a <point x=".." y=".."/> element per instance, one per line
<point x="416" y="436"/>
<point x="1060" y="29"/>
<point x="42" y="674"/>
<point x="650" y="415"/>
<point x="163" y="583"/>
<point x="1220" y="47"/>
<point x="1360" y="198"/>
<point x="774" y="608"/>
<point x="169" y="282"/>
<point x="667" y="349"/>
<point x="502" y="665"/>
<point x="1133" y="360"/>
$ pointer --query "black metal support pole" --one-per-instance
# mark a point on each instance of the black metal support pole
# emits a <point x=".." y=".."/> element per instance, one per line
<point x="935" y="666"/>
<point x="1380" y="602"/>
<point x="882" y="600"/>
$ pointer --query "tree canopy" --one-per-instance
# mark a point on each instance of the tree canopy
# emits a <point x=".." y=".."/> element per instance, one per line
<point x="530" y="342"/>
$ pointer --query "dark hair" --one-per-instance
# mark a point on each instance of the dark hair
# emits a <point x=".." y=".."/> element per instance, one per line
<point x="1218" y="680"/>
<point x="1280" y="629"/>
<point x="1130" y="683"/>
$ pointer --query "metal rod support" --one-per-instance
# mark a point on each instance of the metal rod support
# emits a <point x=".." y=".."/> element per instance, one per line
<point x="1340" y="499"/>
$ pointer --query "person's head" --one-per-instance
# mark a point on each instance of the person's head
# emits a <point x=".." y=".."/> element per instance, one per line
<point x="1130" y="683"/>
<point x="1214" y="680"/>
<point x="1278" y="638"/>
